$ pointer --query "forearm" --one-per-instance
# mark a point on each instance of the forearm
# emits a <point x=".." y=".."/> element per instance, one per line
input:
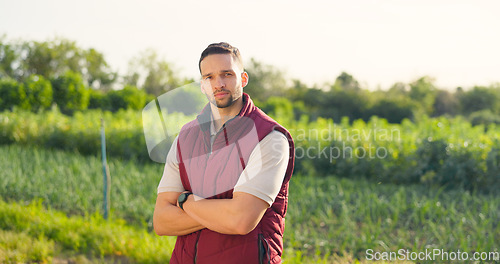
<point x="236" y="216"/>
<point x="217" y="215"/>
<point x="169" y="220"/>
<point x="172" y="221"/>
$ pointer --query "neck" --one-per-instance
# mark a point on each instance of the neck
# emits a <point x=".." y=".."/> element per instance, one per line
<point x="222" y="115"/>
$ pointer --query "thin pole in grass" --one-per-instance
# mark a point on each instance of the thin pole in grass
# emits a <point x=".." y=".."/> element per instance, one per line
<point x="105" y="171"/>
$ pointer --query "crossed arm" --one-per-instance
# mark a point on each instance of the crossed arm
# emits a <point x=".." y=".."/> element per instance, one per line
<point x="237" y="216"/>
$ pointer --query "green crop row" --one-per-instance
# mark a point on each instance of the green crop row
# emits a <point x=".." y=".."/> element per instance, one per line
<point x="80" y="132"/>
<point x="74" y="183"/>
<point x="327" y="216"/>
<point x="29" y="233"/>
<point x="438" y="152"/>
<point x="19" y="247"/>
<point x="331" y="216"/>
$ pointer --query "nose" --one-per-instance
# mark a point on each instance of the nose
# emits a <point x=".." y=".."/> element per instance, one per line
<point x="218" y="83"/>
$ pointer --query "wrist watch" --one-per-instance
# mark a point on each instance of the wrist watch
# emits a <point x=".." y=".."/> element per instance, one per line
<point x="183" y="198"/>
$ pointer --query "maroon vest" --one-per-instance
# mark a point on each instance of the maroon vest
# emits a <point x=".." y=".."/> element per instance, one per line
<point x="212" y="170"/>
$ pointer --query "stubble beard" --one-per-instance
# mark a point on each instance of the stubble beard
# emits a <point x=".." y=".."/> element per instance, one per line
<point x="226" y="103"/>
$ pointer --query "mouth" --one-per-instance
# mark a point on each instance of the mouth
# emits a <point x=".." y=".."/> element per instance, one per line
<point x="220" y="95"/>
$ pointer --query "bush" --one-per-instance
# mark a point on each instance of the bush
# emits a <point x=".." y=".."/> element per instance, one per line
<point x="127" y="98"/>
<point x="279" y="106"/>
<point x="480" y="98"/>
<point x="11" y="94"/>
<point x="484" y="117"/>
<point x="433" y="151"/>
<point x="70" y="93"/>
<point x="462" y="170"/>
<point x="98" y="100"/>
<point x="344" y="103"/>
<point x="81" y="132"/>
<point x="38" y="93"/>
<point x="429" y="159"/>
<point x="493" y="167"/>
<point x="394" y="110"/>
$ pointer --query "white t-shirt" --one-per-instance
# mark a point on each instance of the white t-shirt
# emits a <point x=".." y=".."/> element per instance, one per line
<point x="262" y="176"/>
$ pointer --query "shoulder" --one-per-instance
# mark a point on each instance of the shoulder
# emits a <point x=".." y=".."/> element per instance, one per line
<point x="265" y="124"/>
<point x="189" y="125"/>
<point x="270" y="125"/>
<point x="263" y="117"/>
<point x="275" y="136"/>
<point x="274" y="142"/>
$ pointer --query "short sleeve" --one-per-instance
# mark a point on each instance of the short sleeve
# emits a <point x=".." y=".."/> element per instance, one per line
<point x="266" y="168"/>
<point x="171" y="179"/>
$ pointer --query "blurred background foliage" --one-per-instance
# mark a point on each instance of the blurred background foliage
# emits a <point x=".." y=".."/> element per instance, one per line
<point x="53" y="94"/>
<point x="35" y="75"/>
<point x="415" y="166"/>
<point x="68" y="89"/>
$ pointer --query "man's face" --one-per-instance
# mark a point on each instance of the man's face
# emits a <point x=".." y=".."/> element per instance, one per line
<point x="222" y="81"/>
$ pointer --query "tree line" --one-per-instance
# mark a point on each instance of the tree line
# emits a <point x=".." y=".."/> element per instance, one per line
<point x="35" y="75"/>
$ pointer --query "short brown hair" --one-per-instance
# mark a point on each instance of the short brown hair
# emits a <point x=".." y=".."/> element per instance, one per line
<point x="222" y="48"/>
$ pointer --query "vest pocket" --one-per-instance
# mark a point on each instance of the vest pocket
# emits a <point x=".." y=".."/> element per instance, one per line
<point x="264" y="255"/>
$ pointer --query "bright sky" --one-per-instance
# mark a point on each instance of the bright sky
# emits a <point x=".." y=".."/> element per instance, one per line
<point x="379" y="42"/>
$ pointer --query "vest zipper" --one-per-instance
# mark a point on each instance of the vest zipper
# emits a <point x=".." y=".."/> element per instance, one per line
<point x="215" y="136"/>
<point x="210" y="146"/>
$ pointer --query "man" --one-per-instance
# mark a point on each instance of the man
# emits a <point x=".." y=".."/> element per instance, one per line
<point x="224" y="190"/>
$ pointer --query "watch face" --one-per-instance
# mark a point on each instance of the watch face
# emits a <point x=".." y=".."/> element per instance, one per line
<point x="182" y="197"/>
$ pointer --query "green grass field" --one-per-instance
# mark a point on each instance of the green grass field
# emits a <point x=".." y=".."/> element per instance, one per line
<point x="327" y="217"/>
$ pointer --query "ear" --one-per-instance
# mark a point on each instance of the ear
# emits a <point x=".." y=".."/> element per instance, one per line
<point x="244" y="79"/>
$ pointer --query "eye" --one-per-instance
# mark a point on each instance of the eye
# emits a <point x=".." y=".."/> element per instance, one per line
<point x="229" y="74"/>
<point x="208" y="78"/>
